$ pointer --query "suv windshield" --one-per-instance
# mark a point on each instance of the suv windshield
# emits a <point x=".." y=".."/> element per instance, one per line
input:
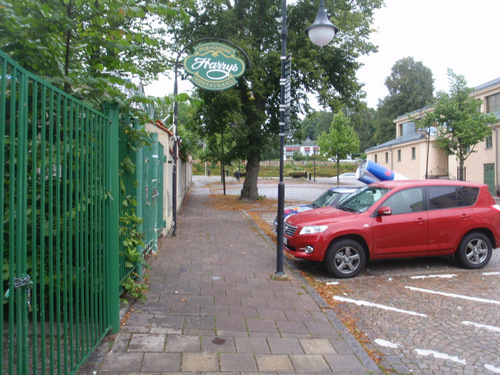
<point x="362" y="199"/>
<point x="325" y="199"/>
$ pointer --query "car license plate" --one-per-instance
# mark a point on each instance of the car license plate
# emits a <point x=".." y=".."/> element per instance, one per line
<point x="285" y="241"/>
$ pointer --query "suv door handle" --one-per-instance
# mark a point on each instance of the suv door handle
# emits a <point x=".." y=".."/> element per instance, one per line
<point x="465" y="216"/>
<point x="421" y="220"/>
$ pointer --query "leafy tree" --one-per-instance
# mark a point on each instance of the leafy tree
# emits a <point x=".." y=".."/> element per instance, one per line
<point x="341" y="141"/>
<point x="316" y="123"/>
<point x="187" y="126"/>
<point x="411" y="87"/>
<point x="363" y="122"/>
<point x="460" y="123"/>
<point x="253" y="25"/>
<point x="93" y="49"/>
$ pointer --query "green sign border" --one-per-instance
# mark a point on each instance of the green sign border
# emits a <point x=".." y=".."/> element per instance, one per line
<point x="214" y="66"/>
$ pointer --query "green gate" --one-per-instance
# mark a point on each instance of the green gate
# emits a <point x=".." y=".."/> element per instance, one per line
<point x="144" y="183"/>
<point x="59" y="245"/>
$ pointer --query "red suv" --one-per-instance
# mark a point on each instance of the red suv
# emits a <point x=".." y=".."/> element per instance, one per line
<point x="399" y="219"/>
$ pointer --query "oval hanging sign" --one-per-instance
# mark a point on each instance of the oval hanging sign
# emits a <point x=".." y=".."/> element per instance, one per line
<point x="214" y="66"/>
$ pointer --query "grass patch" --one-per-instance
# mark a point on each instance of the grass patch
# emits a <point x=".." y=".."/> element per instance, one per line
<point x="319" y="169"/>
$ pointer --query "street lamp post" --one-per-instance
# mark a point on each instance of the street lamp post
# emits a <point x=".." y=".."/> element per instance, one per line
<point x="321" y="32"/>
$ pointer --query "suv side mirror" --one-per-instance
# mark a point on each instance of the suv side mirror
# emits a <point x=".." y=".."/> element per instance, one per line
<point x="384" y="211"/>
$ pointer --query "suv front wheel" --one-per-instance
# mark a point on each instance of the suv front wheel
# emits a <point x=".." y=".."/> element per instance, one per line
<point x="474" y="251"/>
<point x="345" y="258"/>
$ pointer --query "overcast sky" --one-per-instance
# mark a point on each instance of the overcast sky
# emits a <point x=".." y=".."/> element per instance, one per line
<point x="459" y="34"/>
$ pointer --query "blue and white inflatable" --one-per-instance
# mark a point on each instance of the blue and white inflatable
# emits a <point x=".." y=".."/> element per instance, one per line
<point x="370" y="172"/>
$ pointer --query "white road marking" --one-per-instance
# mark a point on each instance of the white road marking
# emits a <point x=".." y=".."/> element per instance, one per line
<point x="386" y="344"/>
<point x="332" y="283"/>
<point x="496" y="370"/>
<point x="491" y="273"/>
<point x="383" y="307"/>
<point x="475" y="299"/>
<point x="444" y="356"/>
<point x="447" y="276"/>
<point x="478" y="325"/>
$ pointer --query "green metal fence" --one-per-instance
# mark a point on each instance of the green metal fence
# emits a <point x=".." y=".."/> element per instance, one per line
<point x="60" y="245"/>
<point x="144" y="184"/>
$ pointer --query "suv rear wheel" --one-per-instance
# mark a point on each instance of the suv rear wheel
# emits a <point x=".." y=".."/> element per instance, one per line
<point x="345" y="258"/>
<point x="474" y="251"/>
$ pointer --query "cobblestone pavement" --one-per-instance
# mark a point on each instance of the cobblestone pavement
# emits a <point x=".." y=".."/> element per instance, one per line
<point x="424" y="316"/>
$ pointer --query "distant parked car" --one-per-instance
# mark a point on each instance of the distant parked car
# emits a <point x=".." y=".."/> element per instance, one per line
<point x="399" y="219"/>
<point x="348" y="179"/>
<point x="331" y="197"/>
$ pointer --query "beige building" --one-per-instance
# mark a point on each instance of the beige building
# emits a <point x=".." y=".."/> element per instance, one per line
<point x="413" y="154"/>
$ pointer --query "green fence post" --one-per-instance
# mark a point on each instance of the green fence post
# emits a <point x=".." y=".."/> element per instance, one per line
<point x="112" y="217"/>
<point x="155" y="192"/>
<point x="21" y="293"/>
<point x="139" y="177"/>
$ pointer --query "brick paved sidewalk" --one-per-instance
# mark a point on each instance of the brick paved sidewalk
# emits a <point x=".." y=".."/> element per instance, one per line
<point x="213" y="307"/>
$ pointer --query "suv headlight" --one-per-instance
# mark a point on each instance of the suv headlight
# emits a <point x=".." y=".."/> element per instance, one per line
<point x="310" y="229"/>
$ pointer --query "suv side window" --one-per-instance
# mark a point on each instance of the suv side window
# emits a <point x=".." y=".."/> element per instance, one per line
<point x="469" y="195"/>
<point x="405" y="201"/>
<point x="451" y="196"/>
<point x="443" y="197"/>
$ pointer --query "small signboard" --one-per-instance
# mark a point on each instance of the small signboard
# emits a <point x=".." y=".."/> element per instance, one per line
<point x="214" y="66"/>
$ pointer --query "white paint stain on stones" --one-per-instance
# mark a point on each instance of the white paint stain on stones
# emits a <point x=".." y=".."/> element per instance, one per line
<point x="386" y="344"/>
<point x="492" y="368"/>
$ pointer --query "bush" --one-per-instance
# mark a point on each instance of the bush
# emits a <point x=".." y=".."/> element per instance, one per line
<point x="299" y="174"/>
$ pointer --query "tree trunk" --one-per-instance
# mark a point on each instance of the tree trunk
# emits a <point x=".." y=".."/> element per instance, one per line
<point x="461" y="176"/>
<point x="249" y="190"/>
<point x="338" y="171"/>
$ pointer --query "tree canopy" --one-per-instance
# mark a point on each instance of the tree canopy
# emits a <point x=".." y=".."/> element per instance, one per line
<point x="340" y="141"/>
<point x="411" y="87"/>
<point x="315" y="124"/>
<point x="93" y="49"/>
<point x="329" y="72"/>
<point x="460" y="123"/>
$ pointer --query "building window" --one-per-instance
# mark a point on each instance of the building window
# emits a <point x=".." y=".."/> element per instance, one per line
<point x="489" y="142"/>
<point x="493" y="103"/>
<point x="413" y="153"/>
<point x="399" y="155"/>
<point x="376" y="159"/>
<point x="386" y="158"/>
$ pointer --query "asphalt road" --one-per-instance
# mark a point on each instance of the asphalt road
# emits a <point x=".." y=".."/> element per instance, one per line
<point x="296" y="190"/>
<point x="420" y="316"/>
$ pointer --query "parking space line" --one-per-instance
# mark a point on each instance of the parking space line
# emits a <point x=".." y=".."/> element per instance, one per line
<point x="485" y="326"/>
<point x="453" y="295"/>
<point x="444" y="276"/>
<point x="492" y="368"/>
<point x="439" y="355"/>
<point x="386" y="344"/>
<point x="379" y="306"/>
